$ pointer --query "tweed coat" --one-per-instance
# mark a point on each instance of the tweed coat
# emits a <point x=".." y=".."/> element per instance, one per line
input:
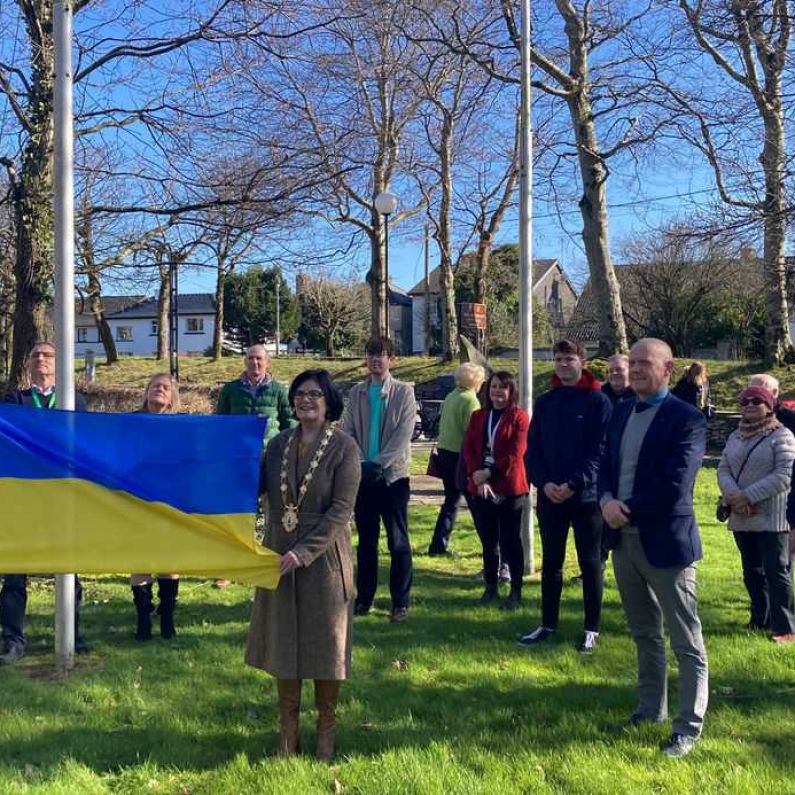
<point x="302" y="629"/>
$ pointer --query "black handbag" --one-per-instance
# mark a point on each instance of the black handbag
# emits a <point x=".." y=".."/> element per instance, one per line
<point x="722" y="510"/>
<point x="434" y="468"/>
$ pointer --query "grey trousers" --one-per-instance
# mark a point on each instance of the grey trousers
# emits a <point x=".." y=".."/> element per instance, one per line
<point x="650" y="594"/>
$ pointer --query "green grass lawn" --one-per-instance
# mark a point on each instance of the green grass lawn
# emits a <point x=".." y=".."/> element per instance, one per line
<point x="445" y="703"/>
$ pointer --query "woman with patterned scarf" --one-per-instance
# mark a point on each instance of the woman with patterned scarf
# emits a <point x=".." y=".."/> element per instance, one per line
<point x="754" y="476"/>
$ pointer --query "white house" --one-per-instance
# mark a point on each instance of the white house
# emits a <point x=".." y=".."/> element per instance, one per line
<point x="133" y="323"/>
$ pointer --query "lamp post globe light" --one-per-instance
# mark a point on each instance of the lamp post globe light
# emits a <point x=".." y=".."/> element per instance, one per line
<point x="385" y="204"/>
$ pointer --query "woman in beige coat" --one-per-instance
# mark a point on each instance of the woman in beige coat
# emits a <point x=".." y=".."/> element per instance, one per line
<point x="302" y="630"/>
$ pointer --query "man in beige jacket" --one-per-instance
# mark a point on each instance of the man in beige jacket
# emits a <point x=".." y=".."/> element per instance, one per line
<point x="380" y="417"/>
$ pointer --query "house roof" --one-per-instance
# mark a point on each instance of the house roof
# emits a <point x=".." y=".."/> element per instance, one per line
<point x="540" y="269"/>
<point x="110" y="303"/>
<point x="189" y="304"/>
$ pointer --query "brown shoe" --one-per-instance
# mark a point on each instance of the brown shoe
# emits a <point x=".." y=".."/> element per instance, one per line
<point x="289" y="691"/>
<point x="326" y="692"/>
<point x="221" y="584"/>
<point x="399" y="615"/>
<point x="789" y="637"/>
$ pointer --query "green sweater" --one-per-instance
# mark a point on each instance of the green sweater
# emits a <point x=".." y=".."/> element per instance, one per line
<point x="266" y="400"/>
<point x="456" y="411"/>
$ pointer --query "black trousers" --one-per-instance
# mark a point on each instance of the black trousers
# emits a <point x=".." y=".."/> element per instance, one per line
<point x="499" y="528"/>
<point x="553" y="524"/>
<point x="390" y="503"/>
<point x="768" y="580"/>
<point x="13" y="602"/>
<point x="448" y="463"/>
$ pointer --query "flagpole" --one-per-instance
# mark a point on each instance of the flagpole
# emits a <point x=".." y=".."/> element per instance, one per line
<point x="526" y="259"/>
<point x="63" y="207"/>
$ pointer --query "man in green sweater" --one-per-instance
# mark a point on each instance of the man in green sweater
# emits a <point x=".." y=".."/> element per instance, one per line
<point x="257" y="392"/>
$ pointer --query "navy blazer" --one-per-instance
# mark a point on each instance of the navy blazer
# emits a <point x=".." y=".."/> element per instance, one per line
<point x="661" y="505"/>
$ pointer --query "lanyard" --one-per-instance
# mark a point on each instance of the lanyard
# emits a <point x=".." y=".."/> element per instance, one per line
<point x="37" y="400"/>
<point x="492" y="430"/>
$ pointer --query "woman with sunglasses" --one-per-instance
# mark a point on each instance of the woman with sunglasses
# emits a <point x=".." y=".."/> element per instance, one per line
<point x="302" y="630"/>
<point x="754" y="476"/>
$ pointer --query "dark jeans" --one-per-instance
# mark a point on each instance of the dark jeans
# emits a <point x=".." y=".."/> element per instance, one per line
<point x="767" y="578"/>
<point x="499" y="528"/>
<point x="553" y="524"/>
<point x="448" y="463"/>
<point x="377" y="501"/>
<point x="14" y="600"/>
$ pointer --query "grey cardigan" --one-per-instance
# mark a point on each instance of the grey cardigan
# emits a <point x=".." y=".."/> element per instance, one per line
<point x="397" y="424"/>
<point x="765" y="479"/>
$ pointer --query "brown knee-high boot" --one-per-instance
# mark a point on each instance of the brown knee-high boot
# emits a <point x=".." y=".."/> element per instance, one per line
<point x="326" y="691"/>
<point x="289" y="691"/>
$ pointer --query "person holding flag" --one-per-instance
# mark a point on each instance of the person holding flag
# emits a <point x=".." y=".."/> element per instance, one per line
<point x="14" y="593"/>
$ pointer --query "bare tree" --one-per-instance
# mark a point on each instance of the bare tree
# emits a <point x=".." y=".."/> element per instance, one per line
<point x="347" y="92"/>
<point x="722" y="114"/>
<point x="592" y="73"/>
<point x="335" y="309"/>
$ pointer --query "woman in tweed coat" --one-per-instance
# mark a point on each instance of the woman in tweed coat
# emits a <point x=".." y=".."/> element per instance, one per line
<point x="302" y="630"/>
<point x="754" y="476"/>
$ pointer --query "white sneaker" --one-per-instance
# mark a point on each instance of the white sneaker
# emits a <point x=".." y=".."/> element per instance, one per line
<point x="538" y="635"/>
<point x="589" y="641"/>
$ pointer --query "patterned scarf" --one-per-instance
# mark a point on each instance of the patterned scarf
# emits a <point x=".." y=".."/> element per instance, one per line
<point x="747" y="430"/>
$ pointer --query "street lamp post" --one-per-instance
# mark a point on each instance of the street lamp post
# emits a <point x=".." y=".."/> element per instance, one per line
<point x="385" y="204"/>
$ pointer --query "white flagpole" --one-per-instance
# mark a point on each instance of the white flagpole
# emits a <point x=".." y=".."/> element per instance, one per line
<point x="63" y="205"/>
<point x="526" y="259"/>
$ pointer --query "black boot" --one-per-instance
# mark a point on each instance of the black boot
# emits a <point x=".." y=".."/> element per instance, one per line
<point x="167" y="593"/>
<point x="489" y="595"/>
<point x="513" y="600"/>
<point x="142" y="598"/>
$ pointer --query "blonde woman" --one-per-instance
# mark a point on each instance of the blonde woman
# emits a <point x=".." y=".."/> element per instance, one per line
<point x="457" y="408"/>
<point x="161" y="396"/>
<point x="693" y="388"/>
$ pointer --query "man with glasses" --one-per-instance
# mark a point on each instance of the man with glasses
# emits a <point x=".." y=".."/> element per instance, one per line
<point x="14" y="593"/>
<point x="257" y="392"/>
<point x="380" y="418"/>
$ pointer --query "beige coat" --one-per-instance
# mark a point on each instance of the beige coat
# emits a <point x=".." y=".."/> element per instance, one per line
<point x="397" y="424"/>
<point x="302" y="630"/>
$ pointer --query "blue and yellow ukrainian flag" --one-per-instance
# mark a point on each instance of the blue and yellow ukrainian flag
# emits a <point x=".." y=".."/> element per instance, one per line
<point x="97" y="493"/>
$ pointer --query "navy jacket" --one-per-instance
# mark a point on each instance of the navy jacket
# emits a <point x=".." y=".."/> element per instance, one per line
<point x="564" y="444"/>
<point x="661" y="505"/>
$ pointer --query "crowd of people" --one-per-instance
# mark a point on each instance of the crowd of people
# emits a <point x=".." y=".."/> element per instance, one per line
<point x="616" y="463"/>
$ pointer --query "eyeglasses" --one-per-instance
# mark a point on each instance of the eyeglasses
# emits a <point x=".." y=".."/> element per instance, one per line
<point x="755" y="401"/>
<point x="310" y="394"/>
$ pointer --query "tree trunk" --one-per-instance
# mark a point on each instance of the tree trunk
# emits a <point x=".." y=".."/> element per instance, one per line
<point x="593" y="206"/>
<point x="103" y="327"/>
<point x="778" y="340"/>
<point x="163" y="306"/>
<point x="593" y="203"/>
<point x="482" y="259"/>
<point x="32" y="195"/>
<point x="450" y="346"/>
<point x="218" y="331"/>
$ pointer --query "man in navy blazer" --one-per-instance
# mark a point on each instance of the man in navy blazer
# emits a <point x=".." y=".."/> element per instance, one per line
<point x="653" y="449"/>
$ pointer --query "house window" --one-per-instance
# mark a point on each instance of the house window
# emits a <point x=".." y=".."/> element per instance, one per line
<point x="82" y="333"/>
<point x="153" y="331"/>
<point x="124" y="334"/>
<point x="195" y="325"/>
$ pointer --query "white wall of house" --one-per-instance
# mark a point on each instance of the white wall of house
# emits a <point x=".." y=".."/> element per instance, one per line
<point x="137" y="336"/>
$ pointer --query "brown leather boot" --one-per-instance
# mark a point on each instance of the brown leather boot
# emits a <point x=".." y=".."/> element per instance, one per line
<point x="326" y="691"/>
<point x="289" y="691"/>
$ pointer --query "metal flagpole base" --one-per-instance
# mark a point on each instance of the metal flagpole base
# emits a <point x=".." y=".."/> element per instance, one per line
<point x="64" y="622"/>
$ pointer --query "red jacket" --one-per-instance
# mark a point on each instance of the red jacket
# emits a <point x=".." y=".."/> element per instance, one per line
<point x="510" y="443"/>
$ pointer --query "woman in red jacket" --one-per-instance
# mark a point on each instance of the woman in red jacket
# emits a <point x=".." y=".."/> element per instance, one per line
<point x="493" y="451"/>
